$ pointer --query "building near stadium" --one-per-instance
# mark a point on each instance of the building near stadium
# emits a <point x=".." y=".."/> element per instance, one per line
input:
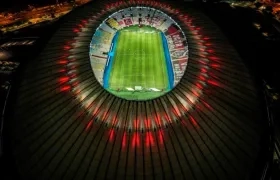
<point x="137" y="90"/>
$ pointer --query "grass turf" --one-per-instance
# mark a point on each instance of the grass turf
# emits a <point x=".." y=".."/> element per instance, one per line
<point x="138" y="60"/>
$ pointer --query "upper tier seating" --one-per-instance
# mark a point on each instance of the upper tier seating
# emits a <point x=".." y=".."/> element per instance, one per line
<point x="102" y="39"/>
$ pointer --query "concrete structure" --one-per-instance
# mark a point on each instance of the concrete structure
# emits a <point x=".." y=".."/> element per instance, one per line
<point x="66" y="126"/>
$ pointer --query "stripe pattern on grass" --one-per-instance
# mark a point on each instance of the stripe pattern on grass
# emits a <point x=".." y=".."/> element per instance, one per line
<point x="139" y="60"/>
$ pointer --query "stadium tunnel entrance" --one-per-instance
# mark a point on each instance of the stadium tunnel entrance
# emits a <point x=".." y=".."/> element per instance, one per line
<point x="138" y="53"/>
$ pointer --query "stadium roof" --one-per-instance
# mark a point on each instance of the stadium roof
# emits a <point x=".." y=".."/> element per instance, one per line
<point x="66" y="126"/>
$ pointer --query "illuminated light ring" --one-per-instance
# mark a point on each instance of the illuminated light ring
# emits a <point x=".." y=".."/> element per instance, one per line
<point x="196" y="130"/>
<point x="192" y="98"/>
<point x="146" y="124"/>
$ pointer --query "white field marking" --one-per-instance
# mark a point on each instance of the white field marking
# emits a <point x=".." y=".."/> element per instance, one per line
<point x="123" y="64"/>
<point x="140" y="75"/>
<point x="139" y="54"/>
<point x="134" y="54"/>
<point x="154" y="80"/>
<point x="162" y="66"/>
<point x="143" y="65"/>
<point x="154" y="83"/>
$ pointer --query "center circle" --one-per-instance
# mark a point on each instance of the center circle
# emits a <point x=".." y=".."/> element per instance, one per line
<point x="138" y="53"/>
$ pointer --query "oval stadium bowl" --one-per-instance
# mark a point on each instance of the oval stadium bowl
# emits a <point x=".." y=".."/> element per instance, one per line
<point x="138" y="53"/>
<point x="82" y="113"/>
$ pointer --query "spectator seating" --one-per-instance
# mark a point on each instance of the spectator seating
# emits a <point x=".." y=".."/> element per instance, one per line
<point x="102" y="39"/>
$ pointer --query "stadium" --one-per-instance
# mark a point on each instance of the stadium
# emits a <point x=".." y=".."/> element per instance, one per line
<point x="138" y="34"/>
<point x="137" y="90"/>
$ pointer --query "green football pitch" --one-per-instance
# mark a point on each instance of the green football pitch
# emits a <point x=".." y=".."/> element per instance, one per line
<point x="139" y="61"/>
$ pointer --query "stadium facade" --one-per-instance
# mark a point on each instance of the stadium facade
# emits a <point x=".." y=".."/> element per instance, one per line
<point x="67" y="126"/>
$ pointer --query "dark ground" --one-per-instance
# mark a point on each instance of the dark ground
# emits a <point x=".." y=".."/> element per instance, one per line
<point x="44" y="32"/>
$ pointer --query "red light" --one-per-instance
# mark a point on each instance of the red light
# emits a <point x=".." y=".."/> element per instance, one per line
<point x="75" y="30"/>
<point x="167" y="118"/>
<point x="193" y="121"/>
<point x="160" y="137"/>
<point x="195" y="93"/>
<point x="215" y="65"/>
<point x="114" y="121"/>
<point x="203" y="70"/>
<point x="111" y="134"/>
<point x="88" y="125"/>
<point x="210" y="50"/>
<point x="63" y="79"/>
<point x="212" y="82"/>
<point x="77" y="91"/>
<point x="184" y="122"/>
<point x="147" y="123"/>
<point x="105" y="115"/>
<point x="94" y="112"/>
<point x="66" y="47"/>
<point x="202" y="78"/>
<point x="214" y="58"/>
<point x="202" y="62"/>
<point x="136" y="123"/>
<point x="124" y="140"/>
<point x="149" y="139"/>
<point x="199" y="43"/>
<point x="75" y="83"/>
<point x="207" y="105"/>
<point x="156" y="117"/>
<point x="194" y="32"/>
<point x="202" y="55"/>
<point x="73" y="75"/>
<point x="198" y="106"/>
<point x="62" y="62"/>
<point x="199" y="85"/>
<point x="135" y="140"/>
<point x="65" y="88"/>
<point x="62" y="70"/>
